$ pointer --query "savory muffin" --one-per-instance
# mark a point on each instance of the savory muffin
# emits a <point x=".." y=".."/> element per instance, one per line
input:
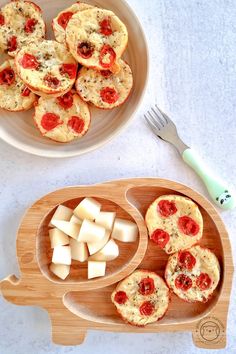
<point x="103" y="88"/>
<point x="174" y="222"/>
<point x="193" y="274"/>
<point x="21" y="22"/>
<point x="60" y="22"/>
<point x="97" y="38"/>
<point x="141" y="298"/>
<point x="14" y="95"/>
<point x="46" y="67"/>
<point x="62" y="119"/>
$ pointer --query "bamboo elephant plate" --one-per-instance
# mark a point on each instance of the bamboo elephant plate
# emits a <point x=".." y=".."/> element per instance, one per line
<point x="77" y="304"/>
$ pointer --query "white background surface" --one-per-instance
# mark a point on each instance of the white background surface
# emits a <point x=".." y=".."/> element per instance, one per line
<point x="193" y="62"/>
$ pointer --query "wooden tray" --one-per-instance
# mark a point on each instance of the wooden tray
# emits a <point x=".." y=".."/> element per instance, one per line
<point x="76" y="304"/>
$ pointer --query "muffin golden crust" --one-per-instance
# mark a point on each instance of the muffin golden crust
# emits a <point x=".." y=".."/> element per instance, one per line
<point x="46" y="67"/>
<point x="21" y="22"/>
<point x="193" y="274"/>
<point x="141" y="298"/>
<point x="62" y="119"/>
<point x="14" y="95"/>
<point x="97" y="38"/>
<point x="174" y="222"/>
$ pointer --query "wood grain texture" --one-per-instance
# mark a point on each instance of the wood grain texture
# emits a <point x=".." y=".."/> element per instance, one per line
<point x="77" y="304"/>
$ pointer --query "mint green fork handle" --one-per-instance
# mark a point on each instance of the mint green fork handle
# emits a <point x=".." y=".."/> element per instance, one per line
<point x="223" y="196"/>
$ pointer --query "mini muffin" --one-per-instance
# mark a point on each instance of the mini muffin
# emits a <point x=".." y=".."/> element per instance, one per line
<point x="60" y="22"/>
<point x="141" y="298"/>
<point x="193" y="274"/>
<point x="97" y="38"/>
<point x="14" y="95"/>
<point x="174" y="223"/>
<point x="103" y="88"/>
<point x="46" y="67"/>
<point x="62" y="119"/>
<point x="21" y="22"/>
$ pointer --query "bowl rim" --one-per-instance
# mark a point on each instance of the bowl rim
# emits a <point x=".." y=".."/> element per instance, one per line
<point x="66" y="154"/>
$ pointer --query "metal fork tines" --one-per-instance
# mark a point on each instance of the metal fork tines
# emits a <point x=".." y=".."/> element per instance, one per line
<point x="163" y="127"/>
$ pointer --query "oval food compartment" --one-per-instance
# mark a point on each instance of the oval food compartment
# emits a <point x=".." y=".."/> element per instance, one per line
<point x="79" y="270"/>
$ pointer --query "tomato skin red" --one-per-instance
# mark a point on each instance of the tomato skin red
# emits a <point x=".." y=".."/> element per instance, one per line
<point x="7" y="76"/>
<point x="66" y="101"/>
<point x="106" y="73"/>
<point x="85" y="50"/>
<point x="188" y="226"/>
<point x="105" y="26"/>
<point x="107" y="50"/>
<point x="146" y="286"/>
<point x="64" y="18"/>
<point x="121" y="297"/>
<point x="160" y="237"/>
<point x="12" y="44"/>
<point x="2" y="20"/>
<point x="77" y="124"/>
<point x="29" y="61"/>
<point x="50" y="121"/>
<point x="52" y="81"/>
<point x="109" y="95"/>
<point x="70" y="69"/>
<point x="25" y="92"/>
<point x="186" y="260"/>
<point x="183" y="282"/>
<point x="203" y="281"/>
<point x="147" y="308"/>
<point x="30" y="25"/>
<point x="166" y="208"/>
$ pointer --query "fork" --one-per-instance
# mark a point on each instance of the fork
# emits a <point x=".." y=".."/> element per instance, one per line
<point x="164" y="128"/>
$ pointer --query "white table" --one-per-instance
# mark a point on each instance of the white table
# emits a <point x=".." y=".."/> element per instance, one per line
<point x="193" y="55"/>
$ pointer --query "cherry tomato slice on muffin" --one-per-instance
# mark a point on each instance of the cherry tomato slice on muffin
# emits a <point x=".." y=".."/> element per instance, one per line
<point x="106" y="73"/>
<point x="186" y="260"/>
<point x="29" y="61"/>
<point x="160" y="237"/>
<point x="66" y="101"/>
<point x="203" y="281"/>
<point x="2" y="20"/>
<point x="50" y="121"/>
<point x="107" y="56"/>
<point x="7" y="77"/>
<point x="105" y="26"/>
<point x="109" y="95"/>
<point x="146" y="286"/>
<point x="30" y="25"/>
<point x="52" y="81"/>
<point x="146" y="309"/>
<point x="85" y="50"/>
<point x="77" y="124"/>
<point x="183" y="282"/>
<point x="64" y="18"/>
<point x="12" y="44"/>
<point x="188" y="226"/>
<point x="166" y="208"/>
<point x="69" y="69"/>
<point x="121" y="297"/>
<point x="25" y="92"/>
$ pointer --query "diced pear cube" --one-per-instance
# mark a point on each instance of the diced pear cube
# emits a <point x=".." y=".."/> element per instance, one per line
<point x="106" y="219"/>
<point x="60" y="270"/>
<point x="108" y="253"/>
<point x="79" y="250"/>
<point x="124" y="230"/>
<point x="88" y="209"/>
<point x="61" y="213"/>
<point x="58" y="238"/>
<point x="76" y="220"/>
<point x="96" y="269"/>
<point x="91" y="232"/>
<point x="62" y="255"/>
<point x="96" y="246"/>
<point x="69" y="228"/>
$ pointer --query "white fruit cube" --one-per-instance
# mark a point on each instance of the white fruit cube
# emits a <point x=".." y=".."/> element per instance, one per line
<point x="60" y="270"/>
<point x="79" y="250"/>
<point x="96" y="269"/>
<point x="96" y="246"/>
<point x="108" y="253"/>
<point x="69" y="228"/>
<point x="58" y="238"/>
<point x="124" y="230"/>
<point x="62" y="213"/>
<point x="62" y="255"/>
<point x="91" y="232"/>
<point x="75" y="220"/>
<point x="88" y="208"/>
<point x="106" y="219"/>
